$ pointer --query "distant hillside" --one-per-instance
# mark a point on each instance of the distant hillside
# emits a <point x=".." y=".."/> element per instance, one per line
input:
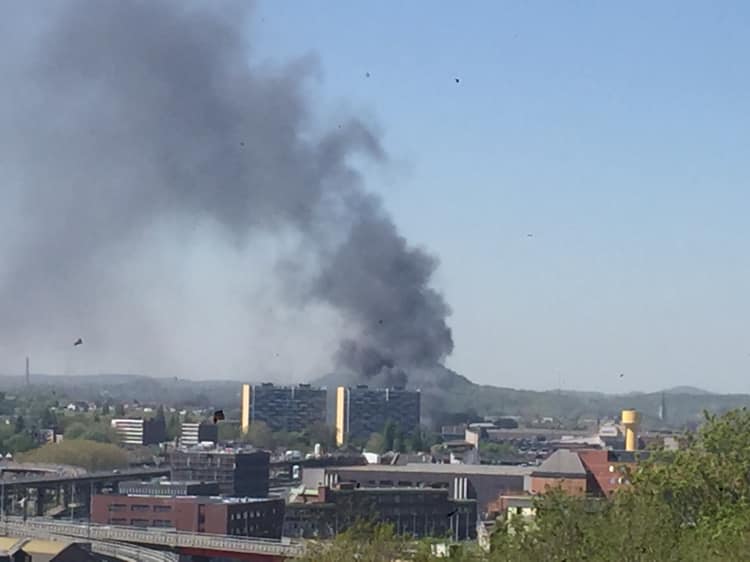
<point x="444" y="392"/>
<point x="687" y="390"/>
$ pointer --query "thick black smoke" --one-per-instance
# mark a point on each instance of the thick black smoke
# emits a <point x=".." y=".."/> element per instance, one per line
<point x="118" y="116"/>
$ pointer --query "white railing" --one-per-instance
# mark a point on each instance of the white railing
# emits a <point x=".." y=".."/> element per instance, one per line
<point x="130" y="553"/>
<point x="125" y="552"/>
<point x="170" y="539"/>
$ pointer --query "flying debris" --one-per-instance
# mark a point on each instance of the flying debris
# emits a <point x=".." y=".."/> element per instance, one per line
<point x="79" y="341"/>
<point x="218" y="416"/>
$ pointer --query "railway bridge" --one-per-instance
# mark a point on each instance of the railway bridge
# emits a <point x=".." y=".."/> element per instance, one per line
<point x="201" y="546"/>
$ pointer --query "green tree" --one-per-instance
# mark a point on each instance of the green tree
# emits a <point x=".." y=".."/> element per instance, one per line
<point x="260" y="436"/>
<point x="20" y="425"/>
<point x="417" y="443"/>
<point x="76" y="430"/>
<point x="389" y="435"/>
<point x="19" y="442"/>
<point x="173" y="426"/>
<point x="119" y="410"/>
<point x="90" y="455"/>
<point x="376" y="444"/>
<point x="106" y="409"/>
<point x="229" y="432"/>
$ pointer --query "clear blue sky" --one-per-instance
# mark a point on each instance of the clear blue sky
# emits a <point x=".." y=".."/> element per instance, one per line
<point x="616" y="134"/>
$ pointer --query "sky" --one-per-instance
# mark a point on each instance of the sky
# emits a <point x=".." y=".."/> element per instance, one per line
<point x="614" y="134"/>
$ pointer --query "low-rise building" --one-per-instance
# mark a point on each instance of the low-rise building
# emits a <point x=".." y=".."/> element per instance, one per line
<point x="194" y="433"/>
<point x="248" y="517"/>
<point x="417" y="512"/>
<point x="140" y="431"/>
<point x="564" y="470"/>
<point x="481" y="482"/>
<point x="239" y="472"/>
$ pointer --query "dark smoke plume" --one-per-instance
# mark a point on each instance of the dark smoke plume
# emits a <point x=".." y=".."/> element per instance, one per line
<point x="118" y="117"/>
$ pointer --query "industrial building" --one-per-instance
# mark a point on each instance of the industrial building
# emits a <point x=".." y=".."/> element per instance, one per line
<point x="282" y="408"/>
<point x="418" y="512"/>
<point x="247" y="517"/>
<point x="362" y="411"/>
<point x="483" y="483"/>
<point x="139" y="431"/>
<point x="193" y="433"/>
<point x="238" y="472"/>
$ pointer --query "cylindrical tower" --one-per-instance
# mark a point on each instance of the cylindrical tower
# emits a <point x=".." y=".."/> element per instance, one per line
<point x="630" y="420"/>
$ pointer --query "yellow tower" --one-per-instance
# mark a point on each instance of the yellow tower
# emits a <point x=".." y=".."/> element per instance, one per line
<point x="245" y="407"/>
<point x="630" y="420"/>
<point x="340" y="415"/>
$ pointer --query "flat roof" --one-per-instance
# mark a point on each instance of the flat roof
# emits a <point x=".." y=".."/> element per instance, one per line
<point x="483" y="469"/>
<point x="201" y="499"/>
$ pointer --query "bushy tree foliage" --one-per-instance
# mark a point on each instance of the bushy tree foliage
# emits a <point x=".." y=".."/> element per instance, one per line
<point x="90" y="455"/>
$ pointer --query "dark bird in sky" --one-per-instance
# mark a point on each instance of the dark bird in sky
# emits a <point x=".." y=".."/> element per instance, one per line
<point x="218" y="416"/>
<point x="530" y="235"/>
<point x="622" y="375"/>
<point x="367" y="74"/>
<point x="242" y="143"/>
<point x="79" y="341"/>
<point x="457" y="80"/>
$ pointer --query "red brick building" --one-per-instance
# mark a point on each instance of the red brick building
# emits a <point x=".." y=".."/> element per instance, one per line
<point x="247" y="517"/>
<point x="563" y="469"/>
<point x="608" y="470"/>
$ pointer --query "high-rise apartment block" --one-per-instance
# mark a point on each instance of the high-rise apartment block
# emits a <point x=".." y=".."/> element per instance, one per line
<point x="283" y="408"/>
<point x="362" y="411"/>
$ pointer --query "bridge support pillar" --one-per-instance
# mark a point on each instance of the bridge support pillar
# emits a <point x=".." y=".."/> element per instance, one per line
<point x="39" y="498"/>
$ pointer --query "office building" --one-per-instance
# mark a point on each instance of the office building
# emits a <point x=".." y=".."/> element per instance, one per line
<point x="362" y="411"/>
<point x="194" y="433"/>
<point x="239" y="472"/>
<point x="283" y="408"/>
<point x="139" y="431"/>
<point x="246" y="517"/>
<point x="416" y="512"/>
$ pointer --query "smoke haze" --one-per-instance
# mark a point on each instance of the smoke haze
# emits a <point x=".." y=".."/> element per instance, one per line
<point x="176" y="206"/>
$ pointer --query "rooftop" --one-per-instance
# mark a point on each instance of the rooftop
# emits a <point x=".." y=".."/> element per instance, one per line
<point x="483" y="469"/>
<point x="562" y="462"/>
<point x="203" y="499"/>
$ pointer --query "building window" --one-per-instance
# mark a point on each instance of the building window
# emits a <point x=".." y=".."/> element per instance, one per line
<point x="162" y="523"/>
<point x="117" y="507"/>
<point x="118" y="521"/>
<point x="139" y="522"/>
<point x="140" y="507"/>
<point x="162" y="508"/>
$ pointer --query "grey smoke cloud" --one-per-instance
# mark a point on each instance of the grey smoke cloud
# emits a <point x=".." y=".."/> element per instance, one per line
<point x="121" y="119"/>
